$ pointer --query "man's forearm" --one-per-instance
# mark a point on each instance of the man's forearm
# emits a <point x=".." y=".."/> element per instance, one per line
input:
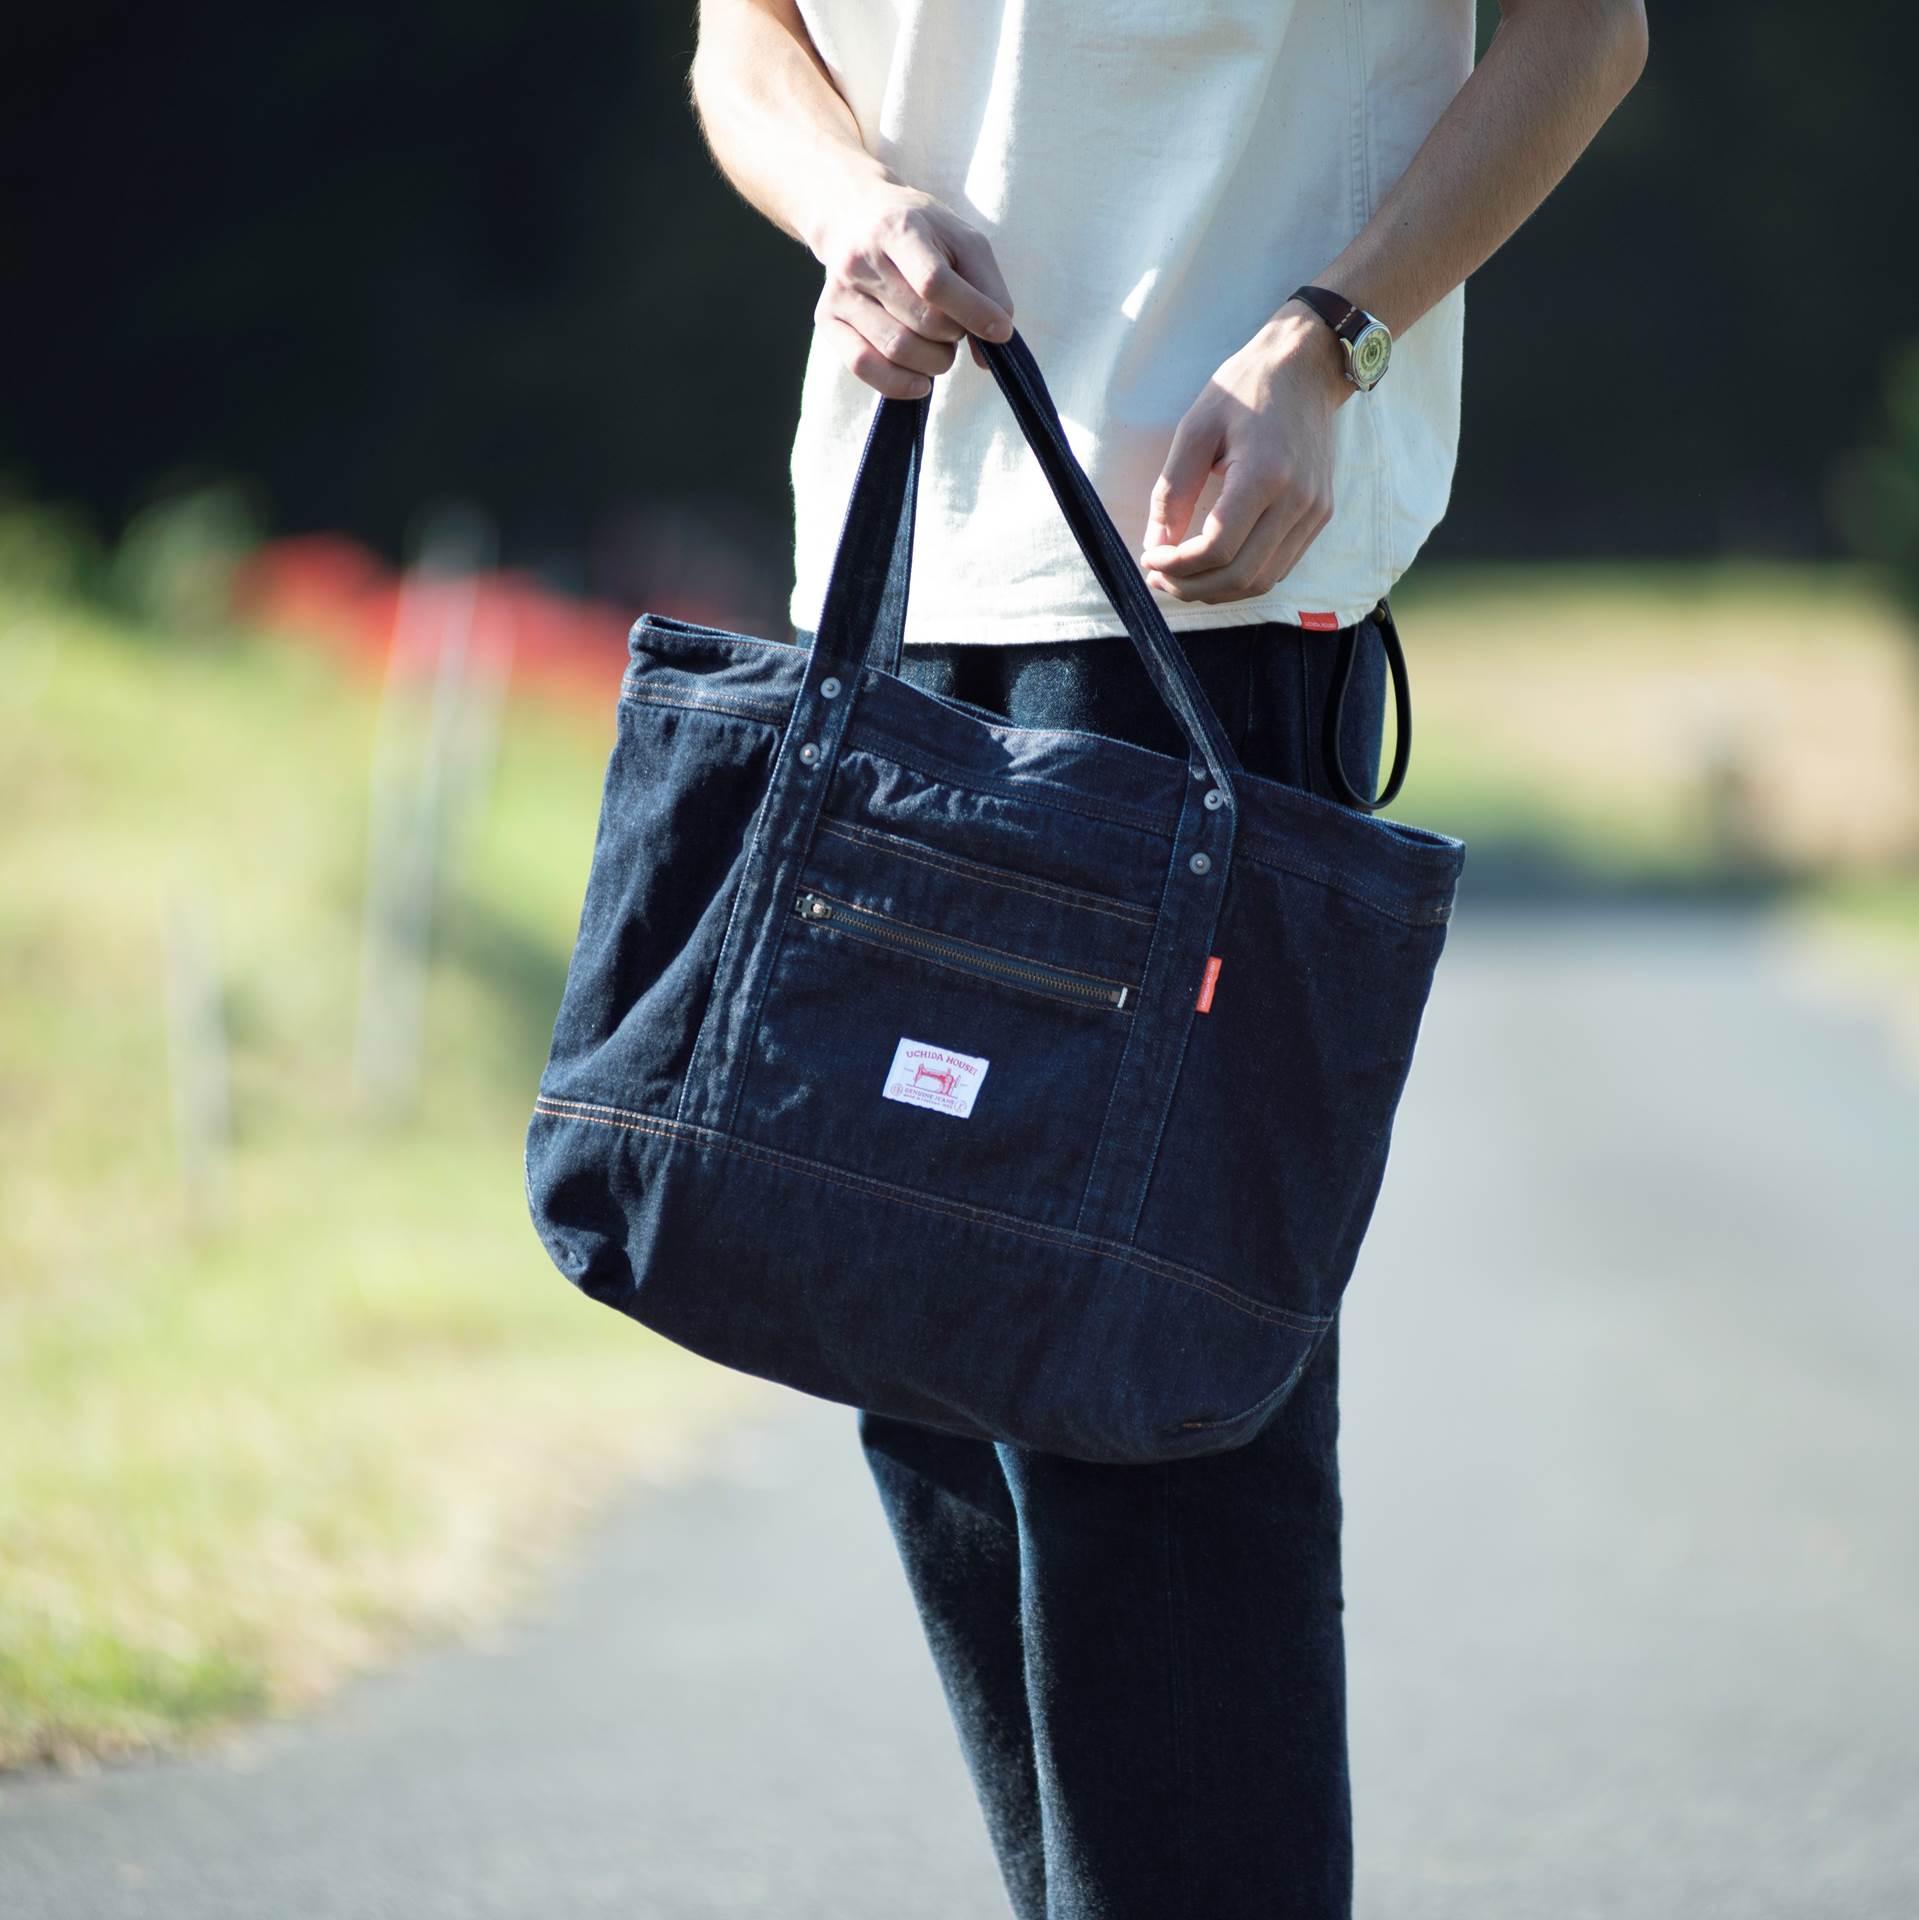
<point x="1553" y="73"/>
<point x="772" y="117"/>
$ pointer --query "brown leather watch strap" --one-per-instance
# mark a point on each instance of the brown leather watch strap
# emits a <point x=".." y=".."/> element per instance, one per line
<point x="1335" y="309"/>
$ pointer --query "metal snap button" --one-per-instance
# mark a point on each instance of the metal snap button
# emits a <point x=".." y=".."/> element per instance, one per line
<point x="810" y="753"/>
<point x="829" y="688"/>
<point x="1214" y="799"/>
<point x="1201" y="863"/>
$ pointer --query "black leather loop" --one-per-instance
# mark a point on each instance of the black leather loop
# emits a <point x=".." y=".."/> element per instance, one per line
<point x="1343" y="788"/>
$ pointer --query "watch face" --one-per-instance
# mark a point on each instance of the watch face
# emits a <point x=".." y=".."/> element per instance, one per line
<point x="1371" y="351"/>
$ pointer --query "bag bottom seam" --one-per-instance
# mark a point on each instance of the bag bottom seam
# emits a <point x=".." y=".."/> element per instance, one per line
<point x="621" y="1120"/>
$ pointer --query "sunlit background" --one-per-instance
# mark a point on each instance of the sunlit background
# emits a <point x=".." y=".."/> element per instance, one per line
<point x="368" y="369"/>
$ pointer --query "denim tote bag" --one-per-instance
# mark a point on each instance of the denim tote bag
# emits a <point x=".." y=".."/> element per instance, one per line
<point x="1027" y="1084"/>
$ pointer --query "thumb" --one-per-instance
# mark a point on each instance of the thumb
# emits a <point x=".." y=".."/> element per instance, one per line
<point x="1176" y="492"/>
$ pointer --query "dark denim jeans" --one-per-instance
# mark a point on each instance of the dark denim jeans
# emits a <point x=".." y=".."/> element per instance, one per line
<point x="1145" y="1664"/>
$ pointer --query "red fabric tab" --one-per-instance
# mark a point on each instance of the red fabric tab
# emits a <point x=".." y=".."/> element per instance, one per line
<point x="1204" y="1004"/>
<point x="1320" y="622"/>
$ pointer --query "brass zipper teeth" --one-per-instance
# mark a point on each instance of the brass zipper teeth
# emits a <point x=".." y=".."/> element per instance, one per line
<point x="818" y="910"/>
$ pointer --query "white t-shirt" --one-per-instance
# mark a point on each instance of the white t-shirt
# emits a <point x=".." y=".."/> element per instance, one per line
<point x="1155" y="176"/>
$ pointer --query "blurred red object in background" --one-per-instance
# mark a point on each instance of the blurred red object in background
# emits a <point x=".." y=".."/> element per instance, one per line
<point x="332" y="589"/>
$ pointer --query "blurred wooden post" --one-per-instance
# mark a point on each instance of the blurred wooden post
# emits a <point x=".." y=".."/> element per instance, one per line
<point x="473" y="745"/>
<point x="197" y="1053"/>
<point x="416" y="783"/>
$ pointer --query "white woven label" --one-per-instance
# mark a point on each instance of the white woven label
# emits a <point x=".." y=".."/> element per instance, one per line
<point x="927" y="1076"/>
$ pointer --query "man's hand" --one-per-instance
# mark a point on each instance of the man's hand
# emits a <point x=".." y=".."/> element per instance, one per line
<point x="906" y="280"/>
<point x="1266" y="422"/>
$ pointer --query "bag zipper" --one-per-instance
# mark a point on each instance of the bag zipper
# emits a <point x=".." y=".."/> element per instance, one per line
<point x="818" y="909"/>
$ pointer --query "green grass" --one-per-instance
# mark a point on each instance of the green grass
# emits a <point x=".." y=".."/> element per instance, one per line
<point x="1666" y="722"/>
<point x="244" y="1452"/>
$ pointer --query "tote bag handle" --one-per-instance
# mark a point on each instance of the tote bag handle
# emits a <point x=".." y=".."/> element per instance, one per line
<point x="863" y="621"/>
<point x="1121" y="579"/>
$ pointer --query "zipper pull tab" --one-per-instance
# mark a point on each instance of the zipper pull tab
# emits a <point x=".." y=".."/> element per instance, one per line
<point x="809" y="906"/>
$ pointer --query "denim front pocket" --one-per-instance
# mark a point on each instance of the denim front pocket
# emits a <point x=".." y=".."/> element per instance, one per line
<point x="891" y="946"/>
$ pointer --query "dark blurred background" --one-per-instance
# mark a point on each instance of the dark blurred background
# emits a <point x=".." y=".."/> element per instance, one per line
<point x="367" y="255"/>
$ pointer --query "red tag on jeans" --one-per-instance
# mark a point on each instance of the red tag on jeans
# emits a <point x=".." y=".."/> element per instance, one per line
<point x="1320" y="622"/>
<point x="1204" y="1004"/>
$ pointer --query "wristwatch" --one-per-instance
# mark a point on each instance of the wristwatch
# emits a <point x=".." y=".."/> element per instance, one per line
<point x="1368" y="346"/>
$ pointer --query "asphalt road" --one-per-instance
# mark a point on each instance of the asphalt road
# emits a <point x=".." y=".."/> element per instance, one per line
<point x="1631" y="1446"/>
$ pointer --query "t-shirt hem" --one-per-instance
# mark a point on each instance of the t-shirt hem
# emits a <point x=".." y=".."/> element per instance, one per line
<point x="999" y="630"/>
